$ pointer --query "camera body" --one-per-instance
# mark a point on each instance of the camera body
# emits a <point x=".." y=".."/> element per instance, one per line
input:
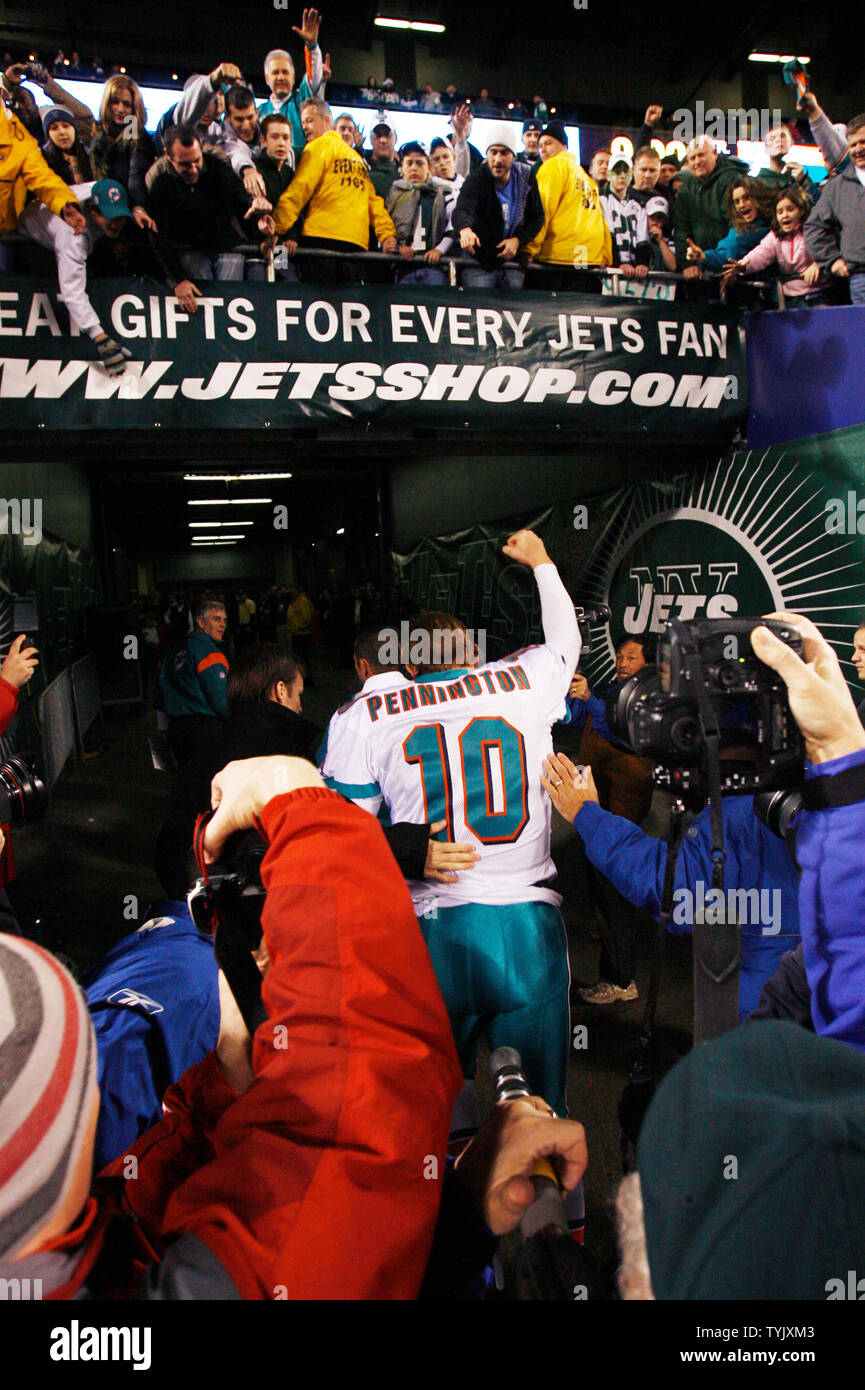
<point x="657" y="710"/>
<point x="233" y="891"/>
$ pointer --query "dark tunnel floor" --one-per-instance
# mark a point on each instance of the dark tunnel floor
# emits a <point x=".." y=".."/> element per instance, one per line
<point x="86" y="873"/>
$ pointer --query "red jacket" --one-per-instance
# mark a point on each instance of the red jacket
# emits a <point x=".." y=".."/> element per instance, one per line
<point x="8" y="707"/>
<point x="323" y="1181"/>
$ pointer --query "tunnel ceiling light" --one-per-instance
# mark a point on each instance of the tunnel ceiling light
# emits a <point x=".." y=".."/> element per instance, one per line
<point x="422" y="25"/>
<point x="232" y="477"/>
<point x="341" y="531"/>
<point x="233" y="522"/>
<point x="228" y="502"/>
<point x="775" y="58"/>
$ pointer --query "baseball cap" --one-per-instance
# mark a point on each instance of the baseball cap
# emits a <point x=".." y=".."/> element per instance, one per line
<point x="413" y="147"/>
<point x="557" y="130"/>
<point x="438" y="142"/>
<point x="383" y="123"/>
<point x="752" y="1165"/>
<point x="109" y="198"/>
<point x="532" y="124"/>
<point x="672" y="159"/>
<point x="657" y="207"/>
<point x="500" y="133"/>
<point x="620" y="159"/>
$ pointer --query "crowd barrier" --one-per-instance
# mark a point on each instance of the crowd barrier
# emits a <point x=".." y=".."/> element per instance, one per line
<point x="67" y="709"/>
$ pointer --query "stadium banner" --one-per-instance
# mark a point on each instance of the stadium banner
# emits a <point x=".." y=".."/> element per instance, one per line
<point x="781" y="529"/>
<point x="277" y="356"/>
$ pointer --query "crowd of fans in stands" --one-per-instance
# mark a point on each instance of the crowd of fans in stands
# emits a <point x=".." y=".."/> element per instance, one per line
<point x="225" y="184"/>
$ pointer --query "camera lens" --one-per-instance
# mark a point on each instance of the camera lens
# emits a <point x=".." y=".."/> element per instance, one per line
<point x="23" y="796"/>
<point x="685" y="734"/>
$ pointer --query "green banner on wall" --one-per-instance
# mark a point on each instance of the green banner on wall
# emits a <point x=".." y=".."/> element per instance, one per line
<point x="757" y="531"/>
<point x="281" y="356"/>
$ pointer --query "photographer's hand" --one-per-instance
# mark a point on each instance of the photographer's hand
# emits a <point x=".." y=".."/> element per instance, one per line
<point x="20" y="663"/>
<point x="496" y="1167"/>
<point x="242" y="789"/>
<point x="569" y="787"/>
<point x="819" y="697"/>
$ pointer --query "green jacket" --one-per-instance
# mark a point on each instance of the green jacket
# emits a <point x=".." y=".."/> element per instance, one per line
<point x="402" y="204"/>
<point x="700" y="212"/>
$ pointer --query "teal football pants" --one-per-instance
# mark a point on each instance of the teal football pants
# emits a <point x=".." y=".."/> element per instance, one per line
<point x="503" y="971"/>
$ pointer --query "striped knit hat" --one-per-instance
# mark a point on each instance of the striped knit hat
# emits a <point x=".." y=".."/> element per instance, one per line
<point x="47" y="1076"/>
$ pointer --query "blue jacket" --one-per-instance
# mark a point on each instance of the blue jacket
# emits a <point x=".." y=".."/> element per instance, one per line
<point x="756" y="859"/>
<point x="194" y="676"/>
<point x="829" y="847"/>
<point x="579" y="709"/>
<point x="154" y="1002"/>
<point x="735" y="244"/>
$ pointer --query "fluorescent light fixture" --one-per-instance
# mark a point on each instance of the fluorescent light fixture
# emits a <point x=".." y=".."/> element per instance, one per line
<point x="248" y="522"/>
<point x="775" y="58"/>
<point x="423" y="25"/>
<point x="341" y="531"/>
<point x="227" y="501"/>
<point x="222" y="540"/>
<point x="232" y="477"/>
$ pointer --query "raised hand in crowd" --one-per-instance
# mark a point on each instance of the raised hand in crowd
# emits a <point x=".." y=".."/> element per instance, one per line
<point x="225" y="74"/>
<point x="653" y="115"/>
<point x="461" y="120"/>
<point x="309" y="28"/>
<point x="326" y="70"/>
<point x="20" y="663"/>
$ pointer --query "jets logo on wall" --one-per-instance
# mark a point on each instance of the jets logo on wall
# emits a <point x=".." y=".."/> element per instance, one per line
<point x="745" y="536"/>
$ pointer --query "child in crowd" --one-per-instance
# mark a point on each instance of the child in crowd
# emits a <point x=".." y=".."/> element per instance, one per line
<point x="416" y="203"/>
<point x="626" y="219"/>
<point x="663" y="253"/>
<point x="784" y="246"/>
<point x="443" y="166"/>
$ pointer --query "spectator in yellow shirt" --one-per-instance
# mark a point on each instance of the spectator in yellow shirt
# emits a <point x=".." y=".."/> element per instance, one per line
<point x="333" y="184"/>
<point x="298" y="621"/>
<point x="574" y="233"/>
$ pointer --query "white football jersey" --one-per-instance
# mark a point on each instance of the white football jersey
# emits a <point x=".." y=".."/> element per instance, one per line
<point x="467" y="747"/>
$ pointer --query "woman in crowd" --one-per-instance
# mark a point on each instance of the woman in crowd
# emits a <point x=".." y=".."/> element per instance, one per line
<point x="123" y="148"/>
<point x="64" y="150"/>
<point x="750" y="210"/>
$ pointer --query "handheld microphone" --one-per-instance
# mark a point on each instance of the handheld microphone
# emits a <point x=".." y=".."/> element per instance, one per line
<point x="547" y="1209"/>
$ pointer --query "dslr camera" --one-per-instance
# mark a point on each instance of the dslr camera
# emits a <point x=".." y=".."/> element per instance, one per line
<point x="657" y="711"/>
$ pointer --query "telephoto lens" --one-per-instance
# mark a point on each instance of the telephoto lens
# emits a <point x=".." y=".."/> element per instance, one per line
<point x="23" y="796"/>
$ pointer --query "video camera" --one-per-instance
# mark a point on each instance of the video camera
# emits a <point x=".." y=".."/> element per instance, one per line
<point x="707" y="672"/>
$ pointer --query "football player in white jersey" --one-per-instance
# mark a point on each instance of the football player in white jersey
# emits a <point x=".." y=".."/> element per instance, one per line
<point x="465" y="744"/>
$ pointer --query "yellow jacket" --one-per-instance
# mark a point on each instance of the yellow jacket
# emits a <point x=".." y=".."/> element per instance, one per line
<point x="298" y="618"/>
<point x="574" y="230"/>
<point x="333" y="184"/>
<point x="23" y="169"/>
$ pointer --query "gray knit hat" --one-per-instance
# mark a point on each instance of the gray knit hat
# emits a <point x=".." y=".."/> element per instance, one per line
<point x="47" y="1085"/>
